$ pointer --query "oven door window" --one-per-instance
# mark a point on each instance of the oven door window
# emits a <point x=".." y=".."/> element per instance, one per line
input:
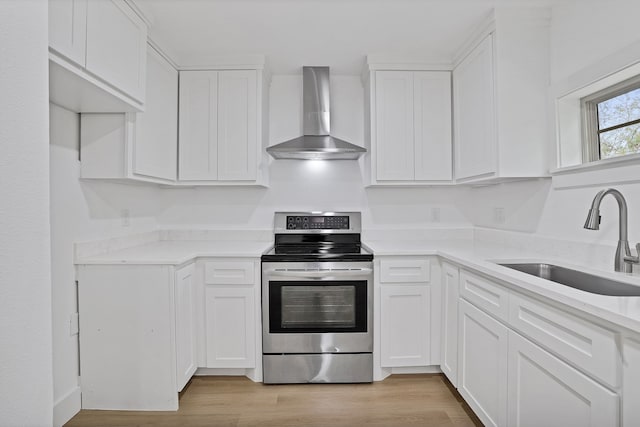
<point x="324" y="306"/>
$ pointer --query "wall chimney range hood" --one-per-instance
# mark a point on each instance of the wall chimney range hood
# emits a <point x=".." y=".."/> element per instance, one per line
<point x="316" y="143"/>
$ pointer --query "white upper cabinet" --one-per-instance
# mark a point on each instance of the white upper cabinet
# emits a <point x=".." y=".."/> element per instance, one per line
<point x="410" y="127"/>
<point x="97" y="56"/>
<point x="156" y="144"/>
<point x="432" y="125"/>
<point x="394" y="125"/>
<point x="136" y="146"/>
<point x="68" y="29"/>
<point x="474" y="114"/>
<point x="500" y="103"/>
<point x="221" y="127"/>
<point x="117" y="46"/>
<point x="198" y="140"/>
<point x="237" y="125"/>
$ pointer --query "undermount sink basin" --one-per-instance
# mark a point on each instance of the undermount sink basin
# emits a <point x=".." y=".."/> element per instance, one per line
<point x="577" y="279"/>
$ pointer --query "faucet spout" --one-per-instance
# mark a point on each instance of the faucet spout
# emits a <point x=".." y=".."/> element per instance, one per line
<point x="623" y="252"/>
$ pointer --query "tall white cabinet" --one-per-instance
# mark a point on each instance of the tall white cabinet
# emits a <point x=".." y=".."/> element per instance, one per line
<point x="500" y="100"/>
<point x="221" y="127"/>
<point x="409" y="126"/>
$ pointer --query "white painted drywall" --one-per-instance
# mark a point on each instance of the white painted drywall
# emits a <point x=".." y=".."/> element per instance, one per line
<point x="26" y="390"/>
<point x="80" y="211"/>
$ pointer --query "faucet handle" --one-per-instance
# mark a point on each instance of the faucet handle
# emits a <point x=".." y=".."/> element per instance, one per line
<point x="634" y="259"/>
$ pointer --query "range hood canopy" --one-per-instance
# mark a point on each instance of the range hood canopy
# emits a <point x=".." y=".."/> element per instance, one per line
<point x="316" y="143"/>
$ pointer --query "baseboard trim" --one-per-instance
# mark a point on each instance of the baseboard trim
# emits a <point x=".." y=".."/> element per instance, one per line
<point x="68" y="406"/>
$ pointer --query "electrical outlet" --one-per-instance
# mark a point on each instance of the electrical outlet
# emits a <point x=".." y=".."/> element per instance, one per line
<point x="435" y="214"/>
<point x="125" y="216"/>
<point x="498" y="215"/>
<point x="74" y="324"/>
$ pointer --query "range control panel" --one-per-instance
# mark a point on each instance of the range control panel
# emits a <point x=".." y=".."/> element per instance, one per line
<point x="311" y="222"/>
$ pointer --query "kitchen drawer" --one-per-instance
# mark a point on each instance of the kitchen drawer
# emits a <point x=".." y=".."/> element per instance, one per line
<point x="581" y="343"/>
<point x="404" y="270"/>
<point x="485" y="294"/>
<point x="229" y="273"/>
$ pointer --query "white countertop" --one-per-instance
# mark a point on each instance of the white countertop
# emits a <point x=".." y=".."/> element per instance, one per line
<point x="179" y="252"/>
<point x="621" y="311"/>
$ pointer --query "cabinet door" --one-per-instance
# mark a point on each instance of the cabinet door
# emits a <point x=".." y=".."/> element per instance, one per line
<point x="450" y="296"/>
<point x="185" y="326"/>
<point x="544" y="391"/>
<point x="482" y="374"/>
<point x="198" y="126"/>
<point x="68" y="29"/>
<point x="630" y="382"/>
<point x="394" y="125"/>
<point x="237" y="125"/>
<point x="117" y="46"/>
<point x="230" y="326"/>
<point x="474" y="113"/>
<point x="432" y="125"/>
<point x="155" y="151"/>
<point x="405" y="325"/>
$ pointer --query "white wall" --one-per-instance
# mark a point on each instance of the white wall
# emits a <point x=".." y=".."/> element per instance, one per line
<point x="25" y="279"/>
<point x="79" y="211"/>
<point x="310" y="185"/>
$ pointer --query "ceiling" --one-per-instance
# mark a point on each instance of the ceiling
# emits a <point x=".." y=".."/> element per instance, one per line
<point x="293" y="33"/>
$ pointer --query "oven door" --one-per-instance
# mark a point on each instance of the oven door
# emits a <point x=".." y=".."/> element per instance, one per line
<point x="322" y="307"/>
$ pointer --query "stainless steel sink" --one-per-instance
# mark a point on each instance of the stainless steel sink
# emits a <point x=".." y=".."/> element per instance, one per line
<point x="577" y="279"/>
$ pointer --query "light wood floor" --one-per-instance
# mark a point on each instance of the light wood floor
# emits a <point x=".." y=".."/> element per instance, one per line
<point x="400" y="400"/>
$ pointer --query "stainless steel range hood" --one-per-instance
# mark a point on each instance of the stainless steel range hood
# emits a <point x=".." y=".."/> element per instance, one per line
<point x="316" y="143"/>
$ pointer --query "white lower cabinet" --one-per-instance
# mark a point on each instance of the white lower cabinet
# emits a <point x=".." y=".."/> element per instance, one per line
<point x="186" y="337"/>
<point x="482" y="375"/>
<point x="450" y="297"/>
<point x="405" y="325"/>
<point x="631" y="382"/>
<point x="545" y="391"/>
<point x="230" y="326"/>
<point x="557" y="373"/>
<point x="137" y="335"/>
<point x="230" y="316"/>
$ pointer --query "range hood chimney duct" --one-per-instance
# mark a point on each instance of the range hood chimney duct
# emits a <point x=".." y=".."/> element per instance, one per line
<point x="316" y="143"/>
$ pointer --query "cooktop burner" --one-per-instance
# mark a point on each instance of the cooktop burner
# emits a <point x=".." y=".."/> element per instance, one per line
<point x="317" y="236"/>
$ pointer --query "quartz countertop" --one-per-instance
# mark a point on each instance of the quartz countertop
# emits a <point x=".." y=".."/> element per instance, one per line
<point x="481" y="258"/>
<point x="484" y="259"/>
<point x="178" y="252"/>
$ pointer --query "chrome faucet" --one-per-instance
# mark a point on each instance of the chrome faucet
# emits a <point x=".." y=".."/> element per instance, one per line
<point x="624" y="259"/>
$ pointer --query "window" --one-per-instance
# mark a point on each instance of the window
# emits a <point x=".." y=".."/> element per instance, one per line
<point x="612" y="121"/>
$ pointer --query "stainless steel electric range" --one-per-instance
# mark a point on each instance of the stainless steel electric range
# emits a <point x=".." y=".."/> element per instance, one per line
<point x="317" y="300"/>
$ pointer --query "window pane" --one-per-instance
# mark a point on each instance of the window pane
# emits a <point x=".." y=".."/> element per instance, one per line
<point x="621" y="109"/>
<point x="620" y="141"/>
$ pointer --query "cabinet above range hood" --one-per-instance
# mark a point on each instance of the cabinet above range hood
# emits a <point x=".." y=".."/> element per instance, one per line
<point x="316" y="143"/>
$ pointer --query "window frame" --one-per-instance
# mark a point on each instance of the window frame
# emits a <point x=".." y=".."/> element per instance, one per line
<point x="590" y="123"/>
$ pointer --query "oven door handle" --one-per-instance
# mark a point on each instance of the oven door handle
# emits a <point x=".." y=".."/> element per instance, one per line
<point x="314" y="274"/>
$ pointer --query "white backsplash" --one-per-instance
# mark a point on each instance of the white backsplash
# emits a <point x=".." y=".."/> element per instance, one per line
<point x="99" y="247"/>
